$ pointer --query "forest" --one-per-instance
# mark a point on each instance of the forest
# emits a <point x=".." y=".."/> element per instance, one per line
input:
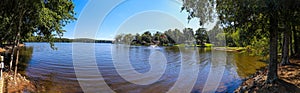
<point x="167" y="38"/>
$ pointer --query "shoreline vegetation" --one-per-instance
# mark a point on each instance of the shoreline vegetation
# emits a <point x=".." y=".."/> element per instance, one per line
<point x="171" y="37"/>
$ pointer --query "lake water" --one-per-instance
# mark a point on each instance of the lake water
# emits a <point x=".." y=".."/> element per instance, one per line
<point x="89" y="67"/>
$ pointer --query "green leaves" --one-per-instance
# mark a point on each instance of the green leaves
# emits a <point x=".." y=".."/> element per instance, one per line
<point x="202" y="9"/>
<point x="43" y="18"/>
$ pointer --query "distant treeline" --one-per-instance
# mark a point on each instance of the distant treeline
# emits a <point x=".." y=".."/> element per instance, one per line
<point x="85" y="40"/>
<point x="169" y="37"/>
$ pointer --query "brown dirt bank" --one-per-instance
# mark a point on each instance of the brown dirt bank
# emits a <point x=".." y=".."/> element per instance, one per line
<point x="288" y="82"/>
<point x="19" y="85"/>
<point x="2" y="50"/>
<point x="9" y="47"/>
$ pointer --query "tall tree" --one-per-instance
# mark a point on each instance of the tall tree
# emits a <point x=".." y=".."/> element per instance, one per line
<point x="202" y="9"/>
<point x="188" y="34"/>
<point x="285" y="48"/>
<point x="289" y="12"/>
<point x="250" y="15"/>
<point x="147" y="37"/>
<point x="25" y="18"/>
<point x="201" y="36"/>
<point x="296" y="38"/>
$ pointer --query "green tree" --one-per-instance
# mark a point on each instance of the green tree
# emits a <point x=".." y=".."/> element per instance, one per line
<point x="246" y="14"/>
<point x="147" y="38"/>
<point x="289" y="18"/>
<point x="118" y="38"/>
<point x="188" y="34"/>
<point x="164" y="39"/>
<point x="201" y="36"/>
<point x="179" y="36"/>
<point x="156" y="37"/>
<point x="137" y="39"/>
<point x="202" y="9"/>
<point x="24" y="18"/>
<point x="249" y="15"/>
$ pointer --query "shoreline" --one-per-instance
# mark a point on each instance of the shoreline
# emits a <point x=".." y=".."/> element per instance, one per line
<point x="20" y="84"/>
<point x="230" y="49"/>
<point x="9" y="47"/>
<point x="288" y="80"/>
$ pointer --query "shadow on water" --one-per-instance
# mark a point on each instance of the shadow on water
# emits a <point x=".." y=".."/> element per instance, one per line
<point x="25" y="57"/>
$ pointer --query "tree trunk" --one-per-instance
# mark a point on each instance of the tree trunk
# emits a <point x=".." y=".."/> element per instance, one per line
<point x="291" y="41"/>
<point x="17" y="56"/>
<point x="272" y="73"/>
<point x="280" y="41"/>
<point x="18" y="42"/>
<point x="12" y="57"/>
<point x="285" y="48"/>
<point x="16" y="66"/>
<point x="296" y="43"/>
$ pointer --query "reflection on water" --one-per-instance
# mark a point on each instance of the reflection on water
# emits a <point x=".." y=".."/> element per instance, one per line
<point x="53" y="69"/>
<point x="244" y="64"/>
<point x="25" y="57"/>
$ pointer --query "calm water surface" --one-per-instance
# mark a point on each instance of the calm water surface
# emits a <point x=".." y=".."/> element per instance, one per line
<point x="53" y="70"/>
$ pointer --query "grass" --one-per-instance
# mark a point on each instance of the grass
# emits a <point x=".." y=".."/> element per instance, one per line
<point x="208" y="45"/>
<point x="236" y="48"/>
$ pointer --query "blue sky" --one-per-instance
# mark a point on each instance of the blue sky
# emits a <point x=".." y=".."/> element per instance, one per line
<point x="128" y="16"/>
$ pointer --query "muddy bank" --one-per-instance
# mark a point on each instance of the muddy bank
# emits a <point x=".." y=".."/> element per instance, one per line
<point x="2" y="50"/>
<point x="20" y="84"/>
<point x="288" y="82"/>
